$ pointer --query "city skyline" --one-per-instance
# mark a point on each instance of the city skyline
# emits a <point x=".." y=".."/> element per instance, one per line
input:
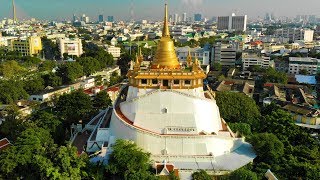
<point x="144" y="9"/>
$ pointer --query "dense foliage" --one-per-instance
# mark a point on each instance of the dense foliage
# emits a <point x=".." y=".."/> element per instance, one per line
<point x="285" y="148"/>
<point x="128" y="161"/>
<point x="235" y="107"/>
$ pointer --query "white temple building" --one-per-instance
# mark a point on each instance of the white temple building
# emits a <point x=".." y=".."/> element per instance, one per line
<point x="165" y="110"/>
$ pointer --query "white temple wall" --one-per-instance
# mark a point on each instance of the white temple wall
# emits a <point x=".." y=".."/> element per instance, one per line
<point x="174" y="145"/>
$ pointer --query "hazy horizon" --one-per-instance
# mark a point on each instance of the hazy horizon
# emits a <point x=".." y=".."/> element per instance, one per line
<point x="153" y="9"/>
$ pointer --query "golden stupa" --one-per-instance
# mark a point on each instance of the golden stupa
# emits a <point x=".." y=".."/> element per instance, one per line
<point x="165" y="57"/>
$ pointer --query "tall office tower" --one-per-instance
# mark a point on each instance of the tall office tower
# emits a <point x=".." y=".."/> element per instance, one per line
<point x="100" y="18"/>
<point x="14" y="12"/>
<point x="83" y="17"/>
<point x="176" y="18"/>
<point x="110" y="18"/>
<point x="170" y="18"/>
<point x="86" y="19"/>
<point x="232" y="23"/>
<point x="197" y="17"/>
<point x="184" y="17"/>
<point x="74" y="18"/>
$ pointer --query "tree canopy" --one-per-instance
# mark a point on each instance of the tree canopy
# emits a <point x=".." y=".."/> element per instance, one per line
<point x="236" y="107"/>
<point x="128" y="161"/>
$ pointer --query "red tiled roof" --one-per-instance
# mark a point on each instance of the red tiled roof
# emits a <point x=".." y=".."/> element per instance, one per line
<point x="116" y="88"/>
<point x="4" y="143"/>
<point x="268" y="85"/>
<point x="228" y="82"/>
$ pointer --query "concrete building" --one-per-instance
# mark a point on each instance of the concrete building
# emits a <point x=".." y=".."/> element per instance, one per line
<point x="100" y="18"/>
<point x="114" y="51"/>
<point x="184" y="17"/>
<point x="73" y="47"/>
<point x="232" y="23"/>
<point x="225" y="54"/>
<point x="166" y="112"/>
<point x="197" y="17"/>
<point x="311" y="65"/>
<point x="203" y="55"/>
<point x="252" y="59"/>
<point x="27" y="47"/>
<point x="295" y="34"/>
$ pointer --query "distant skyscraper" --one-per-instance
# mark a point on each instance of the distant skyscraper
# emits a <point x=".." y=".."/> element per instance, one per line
<point x="176" y="18"/>
<point x="232" y="23"/>
<point x="74" y="18"/>
<point x="110" y="18"/>
<point x="184" y="17"/>
<point x="100" y="18"/>
<point x="197" y="17"/>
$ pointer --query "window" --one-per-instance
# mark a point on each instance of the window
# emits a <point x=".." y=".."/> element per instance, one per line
<point x="154" y="81"/>
<point x="187" y="82"/>
<point x="176" y="82"/>
<point x="143" y="81"/>
<point x="164" y="111"/>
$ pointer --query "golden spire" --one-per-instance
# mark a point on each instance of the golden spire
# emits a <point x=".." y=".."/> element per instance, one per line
<point x="137" y="63"/>
<point x="189" y="58"/>
<point x="165" y="31"/>
<point x="140" y="55"/>
<point x="165" y="56"/>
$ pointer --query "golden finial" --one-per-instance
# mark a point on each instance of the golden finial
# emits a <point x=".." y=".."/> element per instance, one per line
<point x="189" y="57"/>
<point x="140" y="55"/>
<point x="165" y="32"/>
<point x="195" y="66"/>
<point x="137" y="63"/>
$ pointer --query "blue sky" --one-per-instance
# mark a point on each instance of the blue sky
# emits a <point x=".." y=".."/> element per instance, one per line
<point x="153" y="9"/>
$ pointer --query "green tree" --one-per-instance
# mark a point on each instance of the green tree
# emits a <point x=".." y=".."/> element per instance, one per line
<point x="11" y="91"/>
<point x="69" y="72"/>
<point x="52" y="80"/>
<point x="34" y="85"/>
<point x="201" y="175"/>
<point x="13" y="124"/>
<point x="74" y="106"/>
<point x="217" y="66"/>
<point x="35" y="156"/>
<point x="102" y="100"/>
<point x="236" y="107"/>
<point x="243" y="174"/>
<point x="128" y="161"/>
<point x="50" y="49"/>
<point x="243" y="129"/>
<point x="47" y="65"/>
<point x="10" y="69"/>
<point x="114" y="79"/>
<point x="124" y="62"/>
<point x="31" y="61"/>
<point x="274" y="76"/>
<point x="268" y="147"/>
<point x="90" y="65"/>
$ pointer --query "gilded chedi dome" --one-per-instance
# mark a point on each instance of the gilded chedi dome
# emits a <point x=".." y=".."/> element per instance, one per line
<point x="165" y="57"/>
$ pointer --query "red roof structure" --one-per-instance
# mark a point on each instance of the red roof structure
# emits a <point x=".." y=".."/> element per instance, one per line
<point x="4" y="143"/>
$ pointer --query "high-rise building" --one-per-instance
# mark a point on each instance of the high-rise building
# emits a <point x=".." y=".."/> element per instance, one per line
<point x="311" y="65"/>
<point x="14" y="15"/>
<point x="184" y="17"/>
<point x="197" y="17"/>
<point x="165" y="110"/>
<point x="232" y="23"/>
<point x="110" y="18"/>
<point x="74" y="18"/>
<point x="224" y="54"/>
<point x="100" y="18"/>
<point x="176" y="18"/>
